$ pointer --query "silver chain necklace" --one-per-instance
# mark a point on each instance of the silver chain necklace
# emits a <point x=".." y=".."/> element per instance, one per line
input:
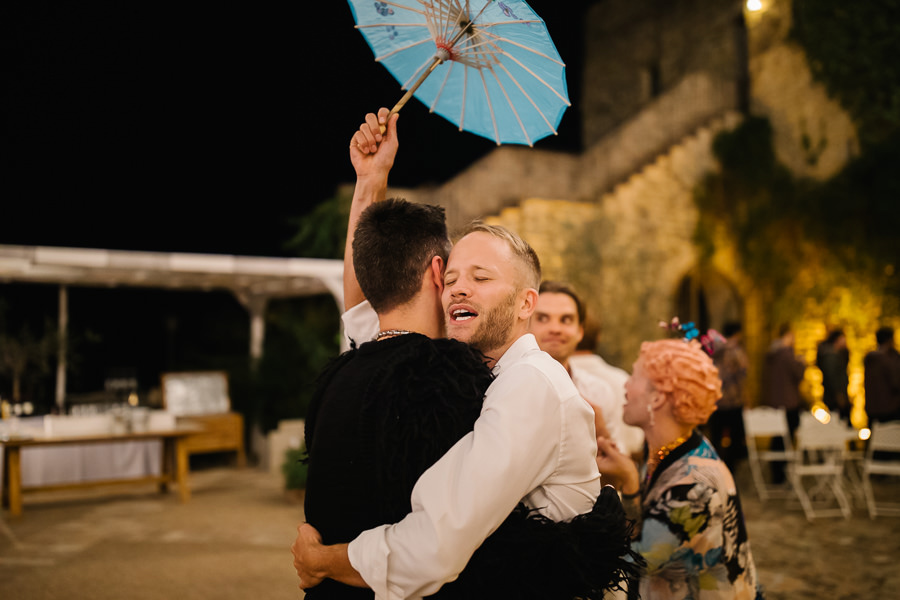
<point x="389" y="333"/>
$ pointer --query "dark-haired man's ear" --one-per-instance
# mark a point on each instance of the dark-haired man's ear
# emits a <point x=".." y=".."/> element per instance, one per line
<point x="437" y="272"/>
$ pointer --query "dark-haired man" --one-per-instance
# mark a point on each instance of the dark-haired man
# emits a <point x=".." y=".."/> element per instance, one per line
<point x="352" y="435"/>
<point x="356" y="428"/>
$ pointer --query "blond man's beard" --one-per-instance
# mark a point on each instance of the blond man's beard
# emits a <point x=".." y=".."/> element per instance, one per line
<point x="494" y="330"/>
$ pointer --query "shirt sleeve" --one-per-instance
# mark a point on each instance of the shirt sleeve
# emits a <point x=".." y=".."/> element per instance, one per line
<point x="602" y="395"/>
<point x="466" y="495"/>
<point x="360" y="323"/>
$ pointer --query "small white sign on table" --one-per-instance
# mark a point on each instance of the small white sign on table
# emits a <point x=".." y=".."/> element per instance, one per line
<point x="196" y="393"/>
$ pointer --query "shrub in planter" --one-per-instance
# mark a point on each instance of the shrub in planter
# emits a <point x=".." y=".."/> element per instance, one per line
<point x="294" y="469"/>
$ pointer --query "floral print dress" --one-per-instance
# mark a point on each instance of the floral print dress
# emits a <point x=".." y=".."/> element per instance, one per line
<point x="693" y="535"/>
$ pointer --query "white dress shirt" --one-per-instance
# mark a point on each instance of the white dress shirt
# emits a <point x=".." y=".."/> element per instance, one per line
<point x="534" y="442"/>
<point x="360" y="323"/>
<point x="616" y="378"/>
<point x="600" y="394"/>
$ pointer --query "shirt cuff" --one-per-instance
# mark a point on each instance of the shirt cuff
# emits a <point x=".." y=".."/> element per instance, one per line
<point x="368" y="554"/>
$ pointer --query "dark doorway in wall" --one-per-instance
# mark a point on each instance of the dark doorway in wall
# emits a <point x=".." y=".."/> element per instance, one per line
<point x="708" y="299"/>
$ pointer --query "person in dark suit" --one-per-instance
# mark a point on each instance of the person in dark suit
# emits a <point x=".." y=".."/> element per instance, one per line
<point x="832" y="358"/>
<point x="882" y="379"/>
<point x="782" y="374"/>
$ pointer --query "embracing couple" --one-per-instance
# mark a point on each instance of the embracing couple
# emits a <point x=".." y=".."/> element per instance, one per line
<point x="460" y="467"/>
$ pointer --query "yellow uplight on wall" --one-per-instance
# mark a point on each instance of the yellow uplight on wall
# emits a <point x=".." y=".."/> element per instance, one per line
<point x="754" y="5"/>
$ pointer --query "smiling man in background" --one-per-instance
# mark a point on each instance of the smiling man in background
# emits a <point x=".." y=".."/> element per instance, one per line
<point x="557" y="324"/>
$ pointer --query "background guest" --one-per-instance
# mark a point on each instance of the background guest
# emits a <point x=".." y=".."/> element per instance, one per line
<point x="557" y="326"/>
<point x="587" y="358"/>
<point x="726" y="425"/>
<point x="832" y="358"/>
<point x="782" y="374"/>
<point x="691" y="527"/>
<point x="882" y="379"/>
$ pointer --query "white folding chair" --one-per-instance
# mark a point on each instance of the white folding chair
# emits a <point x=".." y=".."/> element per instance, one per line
<point x="820" y="452"/>
<point x="761" y="424"/>
<point x="885" y="438"/>
<point x="852" y="480"/>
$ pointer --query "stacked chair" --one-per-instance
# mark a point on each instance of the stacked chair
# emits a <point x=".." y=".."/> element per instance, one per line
<point x="761" y="424"/>
<point x="817" y="472"/>
<point x="882" y="459"/>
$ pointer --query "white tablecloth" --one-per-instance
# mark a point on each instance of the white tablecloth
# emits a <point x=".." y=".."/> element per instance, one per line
<point x="86" y="462"/>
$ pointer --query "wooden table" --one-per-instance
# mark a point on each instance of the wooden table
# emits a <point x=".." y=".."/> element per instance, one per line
<point x="174" y="462"/>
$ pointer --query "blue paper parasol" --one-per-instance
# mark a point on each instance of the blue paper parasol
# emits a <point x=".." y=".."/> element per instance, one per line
<point x="487" y="66"/>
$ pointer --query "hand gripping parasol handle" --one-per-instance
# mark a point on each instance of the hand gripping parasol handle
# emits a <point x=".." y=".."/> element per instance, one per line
<point x="439" y="58"/>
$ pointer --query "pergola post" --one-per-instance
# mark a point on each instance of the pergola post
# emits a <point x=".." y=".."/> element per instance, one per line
<point x="256" y="306"/>
<point x="62" y="343"/>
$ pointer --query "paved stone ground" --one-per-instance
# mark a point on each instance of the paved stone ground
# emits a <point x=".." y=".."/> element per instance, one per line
<point x="232" y="541"/>
<point x="828" y="558"/>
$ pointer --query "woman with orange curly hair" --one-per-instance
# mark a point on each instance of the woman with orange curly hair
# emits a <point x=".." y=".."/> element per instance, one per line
<point x="690" y="524"/>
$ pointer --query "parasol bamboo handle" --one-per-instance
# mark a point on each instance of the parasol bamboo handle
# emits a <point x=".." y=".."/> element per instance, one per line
<point x="409" y="93"/>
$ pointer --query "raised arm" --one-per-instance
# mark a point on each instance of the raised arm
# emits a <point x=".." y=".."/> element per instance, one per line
<point x="372" y="155"/>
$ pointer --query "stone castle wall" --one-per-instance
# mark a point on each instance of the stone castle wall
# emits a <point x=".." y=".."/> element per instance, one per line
<point x="636" y="51"/>
<point x="506" y="176"/>
<point x="618" y="220"/>
<point x="627" y="252"/>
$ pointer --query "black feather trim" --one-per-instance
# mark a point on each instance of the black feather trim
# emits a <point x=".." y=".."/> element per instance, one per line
<point x="426" y="398"/>
<point x="321" y="384"/>
<point x="531" y="557"/>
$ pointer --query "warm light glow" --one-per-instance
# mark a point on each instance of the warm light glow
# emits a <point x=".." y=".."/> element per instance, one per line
<point x="133" y="399"/>
<point x="822" y="416"/>
<point x="754" y="5"/>
<point x="865" y="433"/>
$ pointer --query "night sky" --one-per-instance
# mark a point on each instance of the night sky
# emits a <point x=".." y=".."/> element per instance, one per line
<point x="202" y="127"/>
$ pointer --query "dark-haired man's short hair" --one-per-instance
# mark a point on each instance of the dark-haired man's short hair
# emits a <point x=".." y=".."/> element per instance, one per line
<point x="393" y="245"/>
<point x="558" y="287"/>
<point x="884" y="335"/>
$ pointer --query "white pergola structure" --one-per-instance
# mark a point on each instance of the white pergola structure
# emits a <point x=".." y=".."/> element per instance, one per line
<point x="253" y="280"/>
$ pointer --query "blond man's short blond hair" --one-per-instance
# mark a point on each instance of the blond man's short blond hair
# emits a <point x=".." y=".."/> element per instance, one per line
<point x="519" y="247"/>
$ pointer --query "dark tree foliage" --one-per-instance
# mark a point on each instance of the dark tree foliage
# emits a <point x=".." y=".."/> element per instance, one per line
<point x="301" y="336"/>
<point x="322" y="232"/>
<point x="853" y="216"/>
<point x="853" y="49"/>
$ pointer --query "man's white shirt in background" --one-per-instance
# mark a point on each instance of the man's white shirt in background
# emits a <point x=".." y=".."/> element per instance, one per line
<point x="600" y="394"/>
<point x="633" y="437"/>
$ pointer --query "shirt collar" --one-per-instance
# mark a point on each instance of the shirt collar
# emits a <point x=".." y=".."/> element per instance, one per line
<point x="519" y="348"/>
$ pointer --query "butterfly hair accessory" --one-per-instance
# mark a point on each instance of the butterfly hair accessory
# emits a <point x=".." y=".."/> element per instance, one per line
<point x="709" y="341"/>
